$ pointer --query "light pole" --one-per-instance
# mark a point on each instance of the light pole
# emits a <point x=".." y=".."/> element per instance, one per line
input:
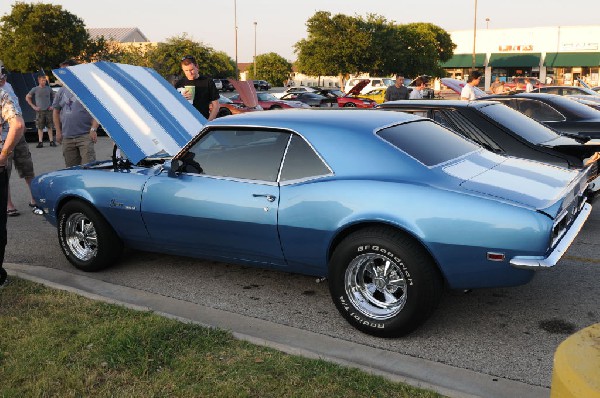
<point x="474" y="35"/>
<point x="237" y="74"/>
<point x="487" y="23"/>
<point x="255" y="49"/>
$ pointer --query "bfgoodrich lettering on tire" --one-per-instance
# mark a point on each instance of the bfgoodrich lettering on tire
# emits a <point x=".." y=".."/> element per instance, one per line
<point x="384" y="282"/>
<point x="86" y="239"/>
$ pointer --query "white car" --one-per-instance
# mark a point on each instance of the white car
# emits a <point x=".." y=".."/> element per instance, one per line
<point x="299" y="89"/>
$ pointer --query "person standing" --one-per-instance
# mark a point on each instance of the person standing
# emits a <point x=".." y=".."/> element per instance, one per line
<point x="76" y="129"/>
<point x="468" y="91"/>
<point x="10" y="113"/>
<point x="204" y="94"/>
<point x="40" y="99"/>
<point x="528" y="85"/>
<point x="496" y="85"/>
<point x="417" y="91"/>
<point x="396" y="92"/>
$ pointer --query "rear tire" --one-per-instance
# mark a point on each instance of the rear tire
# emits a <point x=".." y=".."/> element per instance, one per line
<point x="275" y="108"/>
<point x="349" y="105"/>
<point x="223" y="112"/>
<point x="383" y="282"/>
<point x="86" y="238"/>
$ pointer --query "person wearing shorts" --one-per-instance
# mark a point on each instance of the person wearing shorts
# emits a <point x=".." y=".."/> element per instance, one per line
<point x="21" y="158"/>
<point x="40" y="99"/>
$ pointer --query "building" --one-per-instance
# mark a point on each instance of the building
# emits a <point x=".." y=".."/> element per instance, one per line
<point x="124" y="37"/>
<point x="557" y="54"/>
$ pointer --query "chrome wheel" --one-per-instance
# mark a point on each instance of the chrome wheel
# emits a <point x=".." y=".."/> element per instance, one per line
<point x="376" y="286"/>
<point x="81" y="236"/>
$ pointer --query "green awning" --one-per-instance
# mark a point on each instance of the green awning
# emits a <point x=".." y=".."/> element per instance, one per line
<point x="514" y="60"/>
<point x="465" y="61"/>
<point x="572" y="59"/>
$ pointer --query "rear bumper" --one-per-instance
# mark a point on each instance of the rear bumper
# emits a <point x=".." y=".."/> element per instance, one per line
<point x="534" y="263"/>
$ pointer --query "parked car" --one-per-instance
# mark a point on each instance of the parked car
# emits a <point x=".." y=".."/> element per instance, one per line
<point x="228" y="107"/>
<point x="227" y="85"/>
<point x="556" y="111"/>
<point x="377" y="95"/>
<point x="312" y="99"/>
<point x="566" y="90"/>
<point x="275" y="190"/>
<point x="505" y="131"/>
<point x="518" y="83"/>
<point x="299" y="89"/>
<point x="592" y="101"/>
<point x="262" y="85"/>
<point x="269" y="102"/>
<point x="218" y="84"/>
<point x="373" y="82"/>
<point x="350" y="99"/>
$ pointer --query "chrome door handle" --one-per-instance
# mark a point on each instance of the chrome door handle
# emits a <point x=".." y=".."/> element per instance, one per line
<point x="270" y="198"/>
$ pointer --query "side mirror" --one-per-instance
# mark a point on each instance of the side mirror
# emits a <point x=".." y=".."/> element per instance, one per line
<point x="175" y="165"/>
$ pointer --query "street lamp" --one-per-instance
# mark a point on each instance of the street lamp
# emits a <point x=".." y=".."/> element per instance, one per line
<point x="474" y="35"/>
<point x="255" y="49"/>
<point x="237" y="74"/>
<point x="487" y="23"/>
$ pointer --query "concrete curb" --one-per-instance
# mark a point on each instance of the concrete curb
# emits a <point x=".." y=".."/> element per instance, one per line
<point x="447" y="380"/>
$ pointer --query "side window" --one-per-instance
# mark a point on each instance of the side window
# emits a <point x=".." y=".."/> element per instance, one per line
<point x="244" y="154"/>
<point x="301" y="161"/>
<point x="376" y="83"/>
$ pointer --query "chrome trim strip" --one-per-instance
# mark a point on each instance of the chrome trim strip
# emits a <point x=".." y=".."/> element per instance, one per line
<point x="538" y="262"/>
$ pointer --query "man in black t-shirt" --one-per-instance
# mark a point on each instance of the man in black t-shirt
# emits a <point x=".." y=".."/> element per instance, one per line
<point x="205" y="93"/>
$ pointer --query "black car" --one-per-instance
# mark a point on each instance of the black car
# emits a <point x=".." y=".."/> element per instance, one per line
<point x="504" y="131"/>
<point x="556" y="111"/>
<point x="312" y="99"/>
<point x="227" y="86"/>
<point x="262" y="85"/>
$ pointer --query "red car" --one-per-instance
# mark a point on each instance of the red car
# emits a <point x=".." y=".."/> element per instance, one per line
<point x="269" y="102"/>
<point x="228" y="107"/>
<point x="350" y="99"/>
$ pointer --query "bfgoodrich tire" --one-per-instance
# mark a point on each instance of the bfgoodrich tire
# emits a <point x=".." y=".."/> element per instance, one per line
<point x="383" y="282"/>
<point x="86" y="238"/>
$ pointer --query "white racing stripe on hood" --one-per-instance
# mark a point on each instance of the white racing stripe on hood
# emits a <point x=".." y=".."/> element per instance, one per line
<point x="127" y="110"/>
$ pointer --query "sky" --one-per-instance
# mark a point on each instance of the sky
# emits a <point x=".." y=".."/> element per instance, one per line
<point x="281" y="23"/>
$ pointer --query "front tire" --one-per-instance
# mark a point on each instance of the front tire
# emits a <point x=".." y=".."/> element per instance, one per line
<point x="383" y="282"/>
<point x="349" y="105"/>
<point x="86" y="238"/>
<point x="223" y="112"/>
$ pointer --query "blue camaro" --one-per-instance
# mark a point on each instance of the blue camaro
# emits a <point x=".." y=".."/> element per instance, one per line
<point x="390" y="207"/>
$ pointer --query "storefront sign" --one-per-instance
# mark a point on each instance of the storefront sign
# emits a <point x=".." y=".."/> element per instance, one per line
<point x="516" y="48"/>
<point x="578" y="46"/>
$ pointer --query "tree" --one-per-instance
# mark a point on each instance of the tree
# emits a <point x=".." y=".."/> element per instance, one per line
<point x="271" y="67"/>
<point x="339" y="45"/>
<point x="166" y="58"/>
<point x="40" y="36"/>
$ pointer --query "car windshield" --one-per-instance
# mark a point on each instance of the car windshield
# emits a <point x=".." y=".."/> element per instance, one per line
<point x="415" y="139"/>
<point x="521" y="124"/>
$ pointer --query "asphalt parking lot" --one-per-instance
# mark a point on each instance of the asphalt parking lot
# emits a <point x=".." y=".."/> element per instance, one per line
<point x="499" y="335"/>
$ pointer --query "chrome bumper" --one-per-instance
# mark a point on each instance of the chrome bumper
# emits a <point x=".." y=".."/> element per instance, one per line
<point x="536" y="262"/>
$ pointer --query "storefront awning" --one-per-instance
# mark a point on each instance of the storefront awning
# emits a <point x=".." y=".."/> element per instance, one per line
<point x="572" y="59"/>
<point x="514" y="60"/>
<point x="465" y="61"/>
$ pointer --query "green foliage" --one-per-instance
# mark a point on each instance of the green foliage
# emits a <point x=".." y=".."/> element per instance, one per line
<point x="36" y="36"/>
<point x="271" y="67"/>
<point x="166" y="58"/>
<point x="340" y="45"/>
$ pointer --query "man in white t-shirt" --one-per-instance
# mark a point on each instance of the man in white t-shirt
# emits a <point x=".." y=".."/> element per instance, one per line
<point x="468" y="93"/>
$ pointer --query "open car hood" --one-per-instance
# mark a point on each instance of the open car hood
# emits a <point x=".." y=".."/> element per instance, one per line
<point x="457" y="86"/>
<point x="247" y="92"/>
<point x="357" y="88"/>
<point x="138" y="108"/>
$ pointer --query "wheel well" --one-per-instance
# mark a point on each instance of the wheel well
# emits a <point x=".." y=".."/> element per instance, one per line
<point x="357" y="227"/>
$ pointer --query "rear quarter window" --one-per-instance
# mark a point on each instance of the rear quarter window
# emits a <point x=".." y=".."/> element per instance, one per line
<point x="428" y="142"/>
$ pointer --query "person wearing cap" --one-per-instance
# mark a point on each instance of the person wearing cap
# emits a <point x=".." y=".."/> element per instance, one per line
<point x="205" y="95"/>
<point x="40" y="99"/>
<point x="10" y="112"/>
<point x="75" y="127"/>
